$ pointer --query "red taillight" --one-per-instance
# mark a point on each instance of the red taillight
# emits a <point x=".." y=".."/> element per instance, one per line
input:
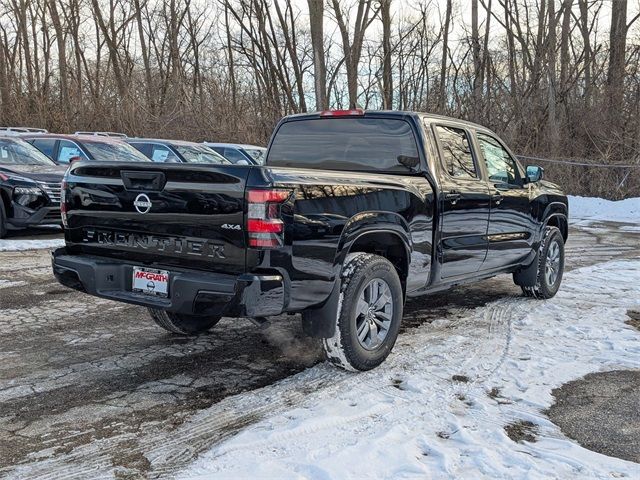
<point x="354" y="112"/>
<point x="63" y="203"/>
<point x="267" y="196"/>
<point x="264" y="226"/>
<point x="3" y="177"/>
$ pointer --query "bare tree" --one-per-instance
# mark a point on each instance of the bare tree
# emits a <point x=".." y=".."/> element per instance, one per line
<point x="352" y="47"/>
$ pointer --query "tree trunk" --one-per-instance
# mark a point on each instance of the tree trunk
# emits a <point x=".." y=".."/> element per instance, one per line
<point x="442" y="95"/>
<point x="62" y="54"/>
<point x="387" y="78"/>
<point x="617" y="47"/>
<point x="552" y="126"/>
<point x="316" y="24"/>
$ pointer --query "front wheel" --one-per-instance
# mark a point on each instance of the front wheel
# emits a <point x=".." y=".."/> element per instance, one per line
<point x="3" y="220"/>
<point x="550" y="266"/>
<point x="369" y="313"/>
<point x="182" y="324"/>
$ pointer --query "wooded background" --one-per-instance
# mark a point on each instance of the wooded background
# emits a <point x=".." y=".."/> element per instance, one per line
<point x="555" y="78"/>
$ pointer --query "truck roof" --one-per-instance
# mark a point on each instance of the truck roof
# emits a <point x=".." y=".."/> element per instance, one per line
<point x="389" y="114"/>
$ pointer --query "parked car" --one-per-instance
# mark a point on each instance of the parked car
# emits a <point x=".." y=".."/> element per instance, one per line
<point x="29" y="186"/>
<point x="429" y="202"/>
<point x="176" y="151"/>
<point x="239" y="153"/>
<point x="64" y="149"/>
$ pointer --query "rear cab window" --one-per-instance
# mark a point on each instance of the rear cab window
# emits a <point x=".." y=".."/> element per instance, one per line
<point x="456" y="152"/>
<point x="352" y="144"/>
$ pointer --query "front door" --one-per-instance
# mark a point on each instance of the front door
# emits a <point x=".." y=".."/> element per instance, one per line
<point x="511" y="224"/>
<point x="464" y="204"/>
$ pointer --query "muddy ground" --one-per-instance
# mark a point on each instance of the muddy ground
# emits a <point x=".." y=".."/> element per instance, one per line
<point x="92" y="388"/>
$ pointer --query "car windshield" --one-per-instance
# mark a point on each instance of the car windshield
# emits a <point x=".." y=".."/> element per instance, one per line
<point x="18" y="152"/>
<point x="201" y="154"/>
<point x="257" y="153"/>
<point x="113" y="152"/>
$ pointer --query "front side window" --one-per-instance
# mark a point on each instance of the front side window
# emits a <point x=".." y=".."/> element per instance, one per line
<point x="500" y="166"/>
<point x="68" y="151"/>
<point x="456" y="150"/>
<point x="257" y="154"/>
<point x="351" y="144"/>
<point x="233" y="155"/>
<point x="162" y="154"/>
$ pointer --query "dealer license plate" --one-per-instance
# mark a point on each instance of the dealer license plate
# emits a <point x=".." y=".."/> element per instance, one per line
<point x="151" y="282"/>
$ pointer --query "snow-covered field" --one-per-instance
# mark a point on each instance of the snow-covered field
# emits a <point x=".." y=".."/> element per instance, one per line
<point x="22" y="244"/>
<point x="411" y="419"/>
<point x="599" y="209"/>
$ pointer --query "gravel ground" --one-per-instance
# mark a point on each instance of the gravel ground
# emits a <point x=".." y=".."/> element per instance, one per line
<point x="602" y="412"/>
<point x="88" y="385"/>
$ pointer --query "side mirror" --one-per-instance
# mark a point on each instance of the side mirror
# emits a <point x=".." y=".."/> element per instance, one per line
<point x="534" y="173"/>
<point x="243" y="162"/>
<point x="410" y="162"/>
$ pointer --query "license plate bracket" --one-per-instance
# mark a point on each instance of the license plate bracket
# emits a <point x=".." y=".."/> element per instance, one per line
<point x="149" y="281"/>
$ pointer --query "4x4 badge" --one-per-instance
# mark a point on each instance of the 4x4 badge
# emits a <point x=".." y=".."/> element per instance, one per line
<point x="142" y="203"/>
<point x="231" y="226"/>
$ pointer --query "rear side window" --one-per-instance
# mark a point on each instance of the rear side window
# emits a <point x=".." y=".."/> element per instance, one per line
<point x="353" y="144"/>
<point x="456" y="152"/>
<point x="45" y="145"/>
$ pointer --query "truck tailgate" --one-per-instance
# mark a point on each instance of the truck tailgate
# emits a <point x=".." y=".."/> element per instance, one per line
<point x="171" y="214"/>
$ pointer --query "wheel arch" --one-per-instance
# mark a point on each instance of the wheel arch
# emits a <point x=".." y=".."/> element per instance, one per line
<point x="381" y="233"/>
<point x="560" y="221"/>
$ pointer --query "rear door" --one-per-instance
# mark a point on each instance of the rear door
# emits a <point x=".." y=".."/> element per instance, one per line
<point x="464" y="203"/>
<point x="159" y="214"/>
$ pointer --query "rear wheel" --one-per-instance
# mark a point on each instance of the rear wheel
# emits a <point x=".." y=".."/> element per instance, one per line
<point x="182" y="324"/>
<point x="369" y="315"/>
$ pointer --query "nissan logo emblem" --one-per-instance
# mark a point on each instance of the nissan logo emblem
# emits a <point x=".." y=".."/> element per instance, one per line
<point x="142" y="203"/>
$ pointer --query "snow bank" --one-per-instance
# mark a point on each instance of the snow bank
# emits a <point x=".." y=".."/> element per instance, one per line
<point x="599" y="209"/>
<point x="16" y="245"/>
<point x="410" y="419"/>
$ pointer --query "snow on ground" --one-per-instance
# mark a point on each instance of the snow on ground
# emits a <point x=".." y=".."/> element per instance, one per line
<point x="599" y="209"/>
<point x="15" y="245"/>
<point x="410" y="418"/>
<point x="8" y="283"/>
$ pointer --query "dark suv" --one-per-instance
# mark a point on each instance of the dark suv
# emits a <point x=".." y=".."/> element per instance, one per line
<point x="29" y="186"/>
<point x="64" y="149"/>
<point x="176" y="151"/>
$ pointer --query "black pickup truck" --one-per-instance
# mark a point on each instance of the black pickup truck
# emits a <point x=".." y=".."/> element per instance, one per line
<point x="353" y="213"/>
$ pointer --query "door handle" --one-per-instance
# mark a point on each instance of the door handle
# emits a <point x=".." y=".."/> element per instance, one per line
<point x="497" y="198"/>
<point x="453" y="197"/>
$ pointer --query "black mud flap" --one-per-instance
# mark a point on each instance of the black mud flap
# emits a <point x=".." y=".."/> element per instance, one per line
<point x="321" y="322"/>
<point x="527" y="276"/>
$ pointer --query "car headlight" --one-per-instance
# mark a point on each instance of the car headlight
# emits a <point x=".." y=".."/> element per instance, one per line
<point x="28" y="191"/>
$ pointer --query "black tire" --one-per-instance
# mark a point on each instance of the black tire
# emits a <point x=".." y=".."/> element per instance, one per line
<point x="552" y="242"/>
<point x="182" y="324"/>
<point x="362" y="273"/>
<point x="3" y="220"/>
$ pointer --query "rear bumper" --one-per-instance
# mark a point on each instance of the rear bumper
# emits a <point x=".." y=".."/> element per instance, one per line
<point x="190" y="292"/>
